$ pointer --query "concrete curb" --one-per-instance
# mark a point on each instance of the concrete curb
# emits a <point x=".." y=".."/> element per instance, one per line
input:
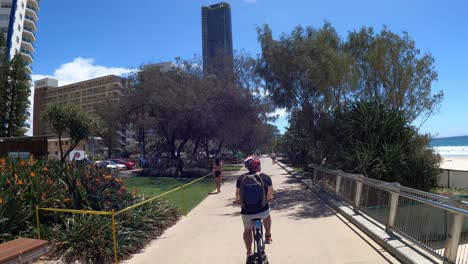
<point x="403" y="249"/>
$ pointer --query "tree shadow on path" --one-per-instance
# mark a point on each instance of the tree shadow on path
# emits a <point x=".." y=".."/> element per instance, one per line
<point x="302" y="203"/>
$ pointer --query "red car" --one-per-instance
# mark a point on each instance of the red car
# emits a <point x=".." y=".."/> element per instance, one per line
<point x="130" y="165"/>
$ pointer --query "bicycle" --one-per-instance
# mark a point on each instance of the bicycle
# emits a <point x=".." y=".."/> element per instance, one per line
<point x="260" y="256"/>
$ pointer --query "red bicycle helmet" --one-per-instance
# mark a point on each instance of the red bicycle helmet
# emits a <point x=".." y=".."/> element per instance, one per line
<point x="252" y="163"/>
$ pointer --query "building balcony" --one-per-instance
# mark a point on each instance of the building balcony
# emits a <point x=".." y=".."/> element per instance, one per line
<point x="29" y="69"/>
<point x="31" y="11"/>
<point x="34" y="3"/>
<point x="29" y="33"/>
<point x="28" y="45"/>
<point x="27" y="55"/>
<point x="30" y="22"/>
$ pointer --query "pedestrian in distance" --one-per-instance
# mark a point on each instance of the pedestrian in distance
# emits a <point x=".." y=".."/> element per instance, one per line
<point x="218" y="171"/>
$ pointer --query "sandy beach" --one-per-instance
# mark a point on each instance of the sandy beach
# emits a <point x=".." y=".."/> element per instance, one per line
<point x="455" y="163"/>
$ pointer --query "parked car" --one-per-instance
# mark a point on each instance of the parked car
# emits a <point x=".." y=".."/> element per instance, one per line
<point x="128" y="164"/>
<point x="113" y="164"/>
<point x="101" y="164"/>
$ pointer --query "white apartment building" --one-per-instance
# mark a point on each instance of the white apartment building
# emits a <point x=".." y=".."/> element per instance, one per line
<point x="18" y="22"/>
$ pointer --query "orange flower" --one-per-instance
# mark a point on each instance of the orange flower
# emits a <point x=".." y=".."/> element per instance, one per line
<point x="67" y="200"/>
<point x="1" y="201"/>
<point x="45" y="169"/>
<point x="19" y="181"/>
<point x="33" y="174"/>
<point x="2" y="161"/>
<point x="31" y="160"/>
<point x="107" y="177"/>
<point x="8" y="181"/>
<point x="50" y="182"/>
<point x="78" y="183"/>
<point x="43" y="196"/>
<point x="118" y="180"/>
<point x="23" y="163"/>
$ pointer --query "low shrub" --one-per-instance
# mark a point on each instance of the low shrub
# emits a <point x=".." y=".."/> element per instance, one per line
<point x="25" y="184"/>
<point x="172" y="172"/>
<point x="195" y="172"/>
<point x="88" y="238"/>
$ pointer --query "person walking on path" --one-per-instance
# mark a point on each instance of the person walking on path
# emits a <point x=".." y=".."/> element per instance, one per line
<point x="253" y="191"/>
<point x="218" y="171"/>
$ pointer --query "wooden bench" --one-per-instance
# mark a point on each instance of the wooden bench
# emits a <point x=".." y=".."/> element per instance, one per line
<point x="22" y="250"/>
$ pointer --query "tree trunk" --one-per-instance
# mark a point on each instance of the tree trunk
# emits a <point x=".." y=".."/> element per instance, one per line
<point x="60" y="147"/>
<point x="219" y="147"/>
<point x="195" y="148"/>
<point x="70" y="149"/>
<point x="180" y="162"/>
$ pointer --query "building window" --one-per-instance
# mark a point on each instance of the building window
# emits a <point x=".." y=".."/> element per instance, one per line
<point x="56" y="152"/>
<point x="22" y="5"/>
<point x="17" y="39"/>
<point x="21" y="16"/>
<point x="6" y="5"/>
<point x="4" y="17"/>
<point x="19" y="28"/>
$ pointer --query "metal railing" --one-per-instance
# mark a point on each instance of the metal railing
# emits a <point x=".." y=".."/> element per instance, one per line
<point x="437" y="223"/>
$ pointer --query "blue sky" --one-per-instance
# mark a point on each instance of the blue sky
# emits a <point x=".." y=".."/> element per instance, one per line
<point x="89" y="38"/>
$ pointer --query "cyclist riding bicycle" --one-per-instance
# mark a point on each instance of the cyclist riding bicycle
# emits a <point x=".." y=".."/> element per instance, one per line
<point x="253" y="192"/>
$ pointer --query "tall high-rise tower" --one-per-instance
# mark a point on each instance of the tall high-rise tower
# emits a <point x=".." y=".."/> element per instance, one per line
<point x="217" y="38"/>
<point x="18" y="20"/>
<point x="18" y="23"/>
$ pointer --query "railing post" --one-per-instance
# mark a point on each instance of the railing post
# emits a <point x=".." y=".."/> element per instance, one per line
<point x="453" y="238"/>
<point x="393" y="207"/>
<point x="38" y="223"/>
<point x="114" y="238"/>
<point x="338" y="184"/>
<point x="357" y="195"/>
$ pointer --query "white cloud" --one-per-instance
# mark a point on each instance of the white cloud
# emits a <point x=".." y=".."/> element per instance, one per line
<point x="279" y="112"/>
<point x="81" y="69"/>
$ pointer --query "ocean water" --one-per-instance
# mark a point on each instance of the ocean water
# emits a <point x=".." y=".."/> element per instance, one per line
<point x="451" y="146"/>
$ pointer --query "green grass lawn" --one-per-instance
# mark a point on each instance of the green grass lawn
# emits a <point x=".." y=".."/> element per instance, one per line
<point x="300" y="170"/>
<point x="232" y="167"/>
<point x="150" y="187"/>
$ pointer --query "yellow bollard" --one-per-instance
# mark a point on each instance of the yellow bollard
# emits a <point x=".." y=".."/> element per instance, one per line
<point x="184" y="202"/>
<point x="38" y="225"/>
<point x="114" y="237"/>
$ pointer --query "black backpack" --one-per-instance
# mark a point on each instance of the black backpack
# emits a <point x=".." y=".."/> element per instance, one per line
<point x="252" y="192"/>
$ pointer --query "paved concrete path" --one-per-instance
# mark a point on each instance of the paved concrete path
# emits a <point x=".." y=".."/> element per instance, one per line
<point x="304" y="231"/>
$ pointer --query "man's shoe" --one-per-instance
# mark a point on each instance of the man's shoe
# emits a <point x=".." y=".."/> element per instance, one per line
<point x="268" y="239"/>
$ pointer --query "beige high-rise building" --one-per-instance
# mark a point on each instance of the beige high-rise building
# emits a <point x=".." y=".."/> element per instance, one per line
<point x="86" y="95"/>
